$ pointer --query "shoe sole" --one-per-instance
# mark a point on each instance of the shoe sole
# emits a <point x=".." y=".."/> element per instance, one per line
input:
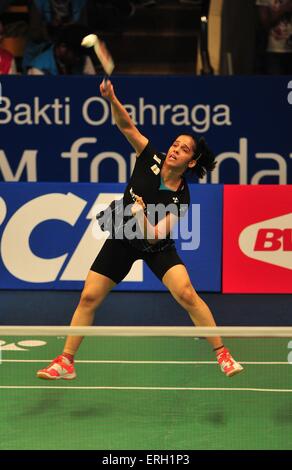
<point x="44" y="376"/>
<point x="235" y="372"/>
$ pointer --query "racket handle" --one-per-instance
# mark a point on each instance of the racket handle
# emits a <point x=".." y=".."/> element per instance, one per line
<point x="105" y="79"/>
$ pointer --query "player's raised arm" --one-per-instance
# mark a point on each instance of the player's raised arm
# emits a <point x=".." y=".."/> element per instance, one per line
<point x="122" y="118"/>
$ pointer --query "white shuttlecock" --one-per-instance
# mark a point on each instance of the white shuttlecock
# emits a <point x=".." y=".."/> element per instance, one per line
<point x="89" y="41"/>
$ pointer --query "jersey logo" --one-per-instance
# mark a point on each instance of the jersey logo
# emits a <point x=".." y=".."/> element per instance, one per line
<point x="175" y="199"/>
<point x="158" y="160"/>
<point x="155" y="169"/>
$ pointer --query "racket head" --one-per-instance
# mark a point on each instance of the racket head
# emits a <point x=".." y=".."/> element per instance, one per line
<point x="104" y="56"/>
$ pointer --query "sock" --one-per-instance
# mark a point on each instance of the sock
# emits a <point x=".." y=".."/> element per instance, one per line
<point x="219" y="349"/>
<point x="68" y="356"/>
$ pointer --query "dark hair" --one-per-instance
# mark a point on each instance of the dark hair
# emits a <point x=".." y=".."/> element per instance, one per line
<point x="203" y="155"/>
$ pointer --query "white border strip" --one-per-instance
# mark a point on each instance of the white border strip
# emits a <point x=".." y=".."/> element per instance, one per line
<point x="206" y="389"/>
<point x="144" y="362"/>
<point x="255" y="331"/>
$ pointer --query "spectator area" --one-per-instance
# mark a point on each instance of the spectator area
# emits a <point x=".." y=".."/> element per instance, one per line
<point x="158" y="39"/>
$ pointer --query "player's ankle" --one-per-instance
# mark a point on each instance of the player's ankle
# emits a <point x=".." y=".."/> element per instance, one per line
<point x="219" y="349"/>
<point x="68" y="356"/>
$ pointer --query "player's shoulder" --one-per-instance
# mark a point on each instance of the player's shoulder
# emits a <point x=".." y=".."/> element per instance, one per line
<point x="184" y="198"/>
<point x="151" y="151"/>
<point x="184" y="191"/>
<point x="184" y="201"/>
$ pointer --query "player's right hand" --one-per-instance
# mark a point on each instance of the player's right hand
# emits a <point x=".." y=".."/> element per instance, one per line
<point x="138" y="206"/>
<point x="107" y="90"/>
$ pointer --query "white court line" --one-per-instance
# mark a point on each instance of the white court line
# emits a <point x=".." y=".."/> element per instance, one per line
<point x="144" y="362"/>
<point x="208" y="389"/>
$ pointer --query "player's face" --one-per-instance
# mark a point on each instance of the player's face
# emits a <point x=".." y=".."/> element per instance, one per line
<point x="181" y="152"/>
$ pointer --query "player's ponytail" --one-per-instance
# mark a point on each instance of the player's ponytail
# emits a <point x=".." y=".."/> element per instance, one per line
<point x="205" y="159"/>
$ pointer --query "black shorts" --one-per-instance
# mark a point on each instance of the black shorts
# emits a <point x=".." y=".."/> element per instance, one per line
<point x="116" y="257"/>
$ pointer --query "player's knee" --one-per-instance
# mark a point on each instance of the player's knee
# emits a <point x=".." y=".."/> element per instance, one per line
<point x="187" y="296"/>
<point x="89" y="299"/>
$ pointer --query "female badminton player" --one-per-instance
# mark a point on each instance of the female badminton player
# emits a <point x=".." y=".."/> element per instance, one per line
<point x="157" y="179"/>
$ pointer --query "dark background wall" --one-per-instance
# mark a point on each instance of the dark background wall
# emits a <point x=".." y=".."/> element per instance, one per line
<point x="137" y="308"/>
<point x="239" y="26"/>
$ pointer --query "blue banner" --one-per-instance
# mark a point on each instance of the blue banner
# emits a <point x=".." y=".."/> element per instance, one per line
<point x="61" y="129"/>
<point x="48" y="236"/>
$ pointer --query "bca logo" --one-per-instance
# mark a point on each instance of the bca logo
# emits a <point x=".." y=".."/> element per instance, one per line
<point x="22" y="260"/>
<point x="269" y="241"/>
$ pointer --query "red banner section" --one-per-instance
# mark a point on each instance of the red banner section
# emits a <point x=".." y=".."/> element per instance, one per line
<point x="257" y="239"/>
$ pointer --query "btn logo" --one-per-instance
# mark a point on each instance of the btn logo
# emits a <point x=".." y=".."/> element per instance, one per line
<point x="257" y="251"/>
<point x="269" y="241"/>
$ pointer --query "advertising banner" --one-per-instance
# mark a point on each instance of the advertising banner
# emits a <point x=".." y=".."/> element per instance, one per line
<point x="49" y="236"/>
<point x="61" y="129"/>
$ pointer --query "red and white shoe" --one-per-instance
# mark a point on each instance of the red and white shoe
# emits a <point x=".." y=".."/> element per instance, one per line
<point x="228" y="365"/>
<point x="60" y="368"/>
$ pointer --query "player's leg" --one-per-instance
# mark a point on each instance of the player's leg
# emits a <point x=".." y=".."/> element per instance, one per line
<point x="177" y="280"/>
<point x="109" y="268"/>
<point x="170" y="269"/>
<point x="96" y="288"/>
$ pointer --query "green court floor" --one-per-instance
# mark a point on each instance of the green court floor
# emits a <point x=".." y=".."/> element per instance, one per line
<point x="146" y="393"/>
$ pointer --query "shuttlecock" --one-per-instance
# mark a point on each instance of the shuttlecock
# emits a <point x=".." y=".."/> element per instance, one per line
<point x="89" y="41"/>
